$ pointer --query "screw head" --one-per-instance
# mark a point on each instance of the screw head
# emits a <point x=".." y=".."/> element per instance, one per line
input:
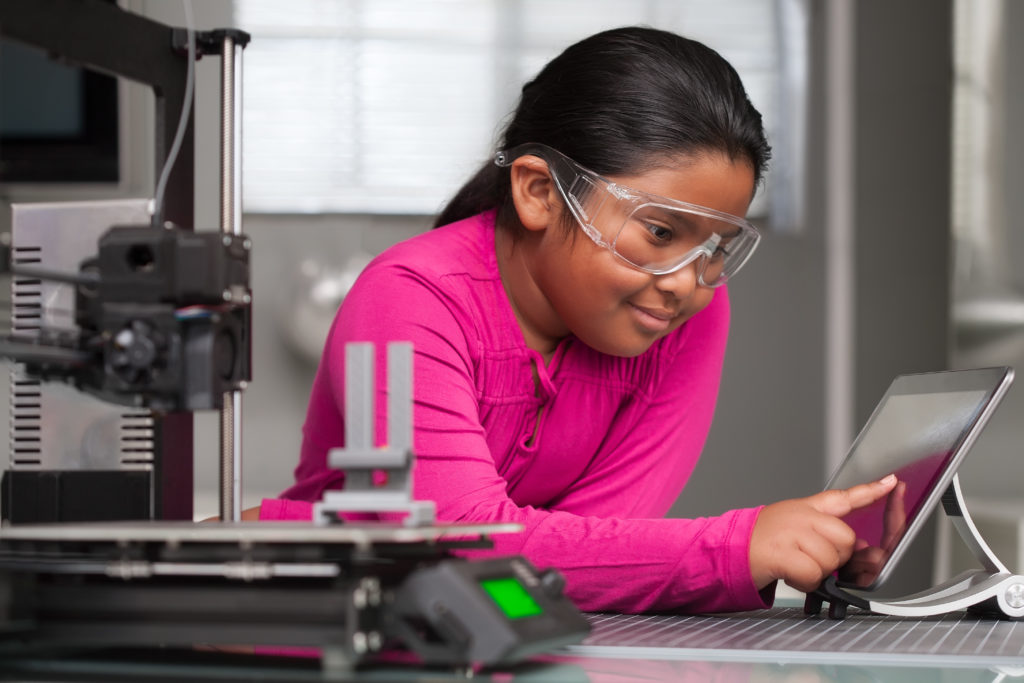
<point x="1015" y="595"/>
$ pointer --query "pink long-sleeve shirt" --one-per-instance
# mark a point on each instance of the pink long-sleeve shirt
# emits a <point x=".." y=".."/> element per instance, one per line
<point x="588" y="458"/>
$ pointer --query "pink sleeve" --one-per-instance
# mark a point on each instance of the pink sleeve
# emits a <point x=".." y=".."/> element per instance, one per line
<point x="283" y="509"/>
<point x="611" y="563"/>
<point x="665" y="564"/>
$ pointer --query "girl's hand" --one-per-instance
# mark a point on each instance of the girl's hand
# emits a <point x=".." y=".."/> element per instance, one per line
<point x="248" y="515"/>
<point x="867" y="561"/>
<point x="801" y="541"/>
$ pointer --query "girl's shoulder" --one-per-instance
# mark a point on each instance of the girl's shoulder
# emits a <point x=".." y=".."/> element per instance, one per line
<point x="462" y="248"/>
<point x="447" y="279"/>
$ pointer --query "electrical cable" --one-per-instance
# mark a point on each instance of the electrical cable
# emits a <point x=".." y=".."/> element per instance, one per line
<point x="23" y="350"/>
<point x="35" y="273"/>
<point x="186" y="110"/>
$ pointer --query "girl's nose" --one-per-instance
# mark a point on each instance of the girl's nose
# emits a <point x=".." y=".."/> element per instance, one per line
<point x="683" y="282"/>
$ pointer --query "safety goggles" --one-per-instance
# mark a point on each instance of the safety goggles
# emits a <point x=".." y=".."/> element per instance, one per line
<point x="650" y="233"/>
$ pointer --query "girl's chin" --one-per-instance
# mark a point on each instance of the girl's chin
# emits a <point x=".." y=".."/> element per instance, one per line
<point x="623" y="348"/>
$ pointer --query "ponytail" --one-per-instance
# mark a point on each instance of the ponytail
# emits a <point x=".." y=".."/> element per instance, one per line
<point x="486" y="190"/>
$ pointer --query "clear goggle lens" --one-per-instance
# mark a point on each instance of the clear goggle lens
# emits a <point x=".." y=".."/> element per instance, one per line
<point x="662" y="240"/>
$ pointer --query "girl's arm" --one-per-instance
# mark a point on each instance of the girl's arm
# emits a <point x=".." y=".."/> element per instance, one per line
<point x="610" y="562"/>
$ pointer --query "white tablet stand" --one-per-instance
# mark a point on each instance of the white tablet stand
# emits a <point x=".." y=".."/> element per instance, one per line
<point x="993" y="590"/>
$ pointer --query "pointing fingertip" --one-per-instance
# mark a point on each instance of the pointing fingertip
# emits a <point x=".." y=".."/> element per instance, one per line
<point x="887" y="480"/>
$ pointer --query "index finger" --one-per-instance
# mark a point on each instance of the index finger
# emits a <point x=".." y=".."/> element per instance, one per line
<point x="842" y="502"/>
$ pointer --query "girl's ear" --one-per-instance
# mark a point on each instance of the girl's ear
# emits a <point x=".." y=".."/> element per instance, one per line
<point x="534" y="193"/>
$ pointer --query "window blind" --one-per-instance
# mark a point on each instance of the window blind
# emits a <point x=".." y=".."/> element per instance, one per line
<point x="388" y="106"/>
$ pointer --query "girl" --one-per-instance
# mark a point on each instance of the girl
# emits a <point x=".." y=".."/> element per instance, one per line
<point x="569" y="324"/>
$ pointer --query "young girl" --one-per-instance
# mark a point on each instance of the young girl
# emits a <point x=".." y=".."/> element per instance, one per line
<point x="569" y="324"/>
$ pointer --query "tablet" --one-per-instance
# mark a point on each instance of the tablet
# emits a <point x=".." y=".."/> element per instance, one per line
<point x="920" y="431"/>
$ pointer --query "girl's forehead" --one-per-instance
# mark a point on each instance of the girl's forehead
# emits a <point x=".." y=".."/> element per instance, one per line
<point x="688" y="162"/>
<point x="713" y="180"/>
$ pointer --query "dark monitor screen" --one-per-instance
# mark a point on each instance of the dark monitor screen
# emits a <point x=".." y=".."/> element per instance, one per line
<point x="58" y="123"/>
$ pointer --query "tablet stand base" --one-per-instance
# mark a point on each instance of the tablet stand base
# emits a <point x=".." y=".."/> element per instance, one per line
<point x="992" y="591"/>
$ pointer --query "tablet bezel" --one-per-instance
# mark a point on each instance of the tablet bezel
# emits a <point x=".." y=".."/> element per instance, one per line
<point x="994" y="381"/>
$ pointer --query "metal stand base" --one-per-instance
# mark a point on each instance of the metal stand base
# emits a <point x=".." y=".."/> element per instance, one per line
<point x="993" y="590"/>
<point x="378" y="479"/>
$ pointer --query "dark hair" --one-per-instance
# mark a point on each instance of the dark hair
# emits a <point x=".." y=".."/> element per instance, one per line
<point x="620" y="102"/>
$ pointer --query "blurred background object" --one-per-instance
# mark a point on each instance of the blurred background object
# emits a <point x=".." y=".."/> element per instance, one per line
<point x="306" y="306"/>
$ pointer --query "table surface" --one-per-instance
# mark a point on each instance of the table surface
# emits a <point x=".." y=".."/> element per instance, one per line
<point x="788" y="635"/>
<point x="770" y="646"/>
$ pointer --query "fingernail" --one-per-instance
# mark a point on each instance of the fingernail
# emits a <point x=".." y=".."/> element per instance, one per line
<point x="888" y="479"/>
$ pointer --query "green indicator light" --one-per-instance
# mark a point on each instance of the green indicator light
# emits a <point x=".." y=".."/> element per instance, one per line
<point x="510" y="596"/>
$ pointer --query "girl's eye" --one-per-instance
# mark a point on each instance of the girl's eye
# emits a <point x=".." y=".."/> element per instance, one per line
<point x="659" y="232"/>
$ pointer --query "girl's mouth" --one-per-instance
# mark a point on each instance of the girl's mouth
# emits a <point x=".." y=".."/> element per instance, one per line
<point x="655" y="320"/>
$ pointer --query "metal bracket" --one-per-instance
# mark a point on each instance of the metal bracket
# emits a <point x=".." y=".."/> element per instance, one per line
<point x="377" y="479"/>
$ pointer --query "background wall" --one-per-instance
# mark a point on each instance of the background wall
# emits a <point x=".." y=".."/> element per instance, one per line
<point x="878" y="150"/>
<point x="879" y="147"/>
<point x="988" y="282"/>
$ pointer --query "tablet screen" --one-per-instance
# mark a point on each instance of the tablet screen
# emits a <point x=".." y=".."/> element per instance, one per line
<point x="919" y="432"/>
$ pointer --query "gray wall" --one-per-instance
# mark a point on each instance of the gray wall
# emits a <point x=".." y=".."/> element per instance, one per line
<point x="995" y="469"/>
<point x="769" y="439"/>
<point x="903" y="212"/>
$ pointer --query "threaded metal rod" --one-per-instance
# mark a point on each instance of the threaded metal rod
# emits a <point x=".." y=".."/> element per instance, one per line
<point x="231" y="223"/>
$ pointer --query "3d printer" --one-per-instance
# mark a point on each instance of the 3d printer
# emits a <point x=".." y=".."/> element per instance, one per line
<point x="120" y="299"/>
